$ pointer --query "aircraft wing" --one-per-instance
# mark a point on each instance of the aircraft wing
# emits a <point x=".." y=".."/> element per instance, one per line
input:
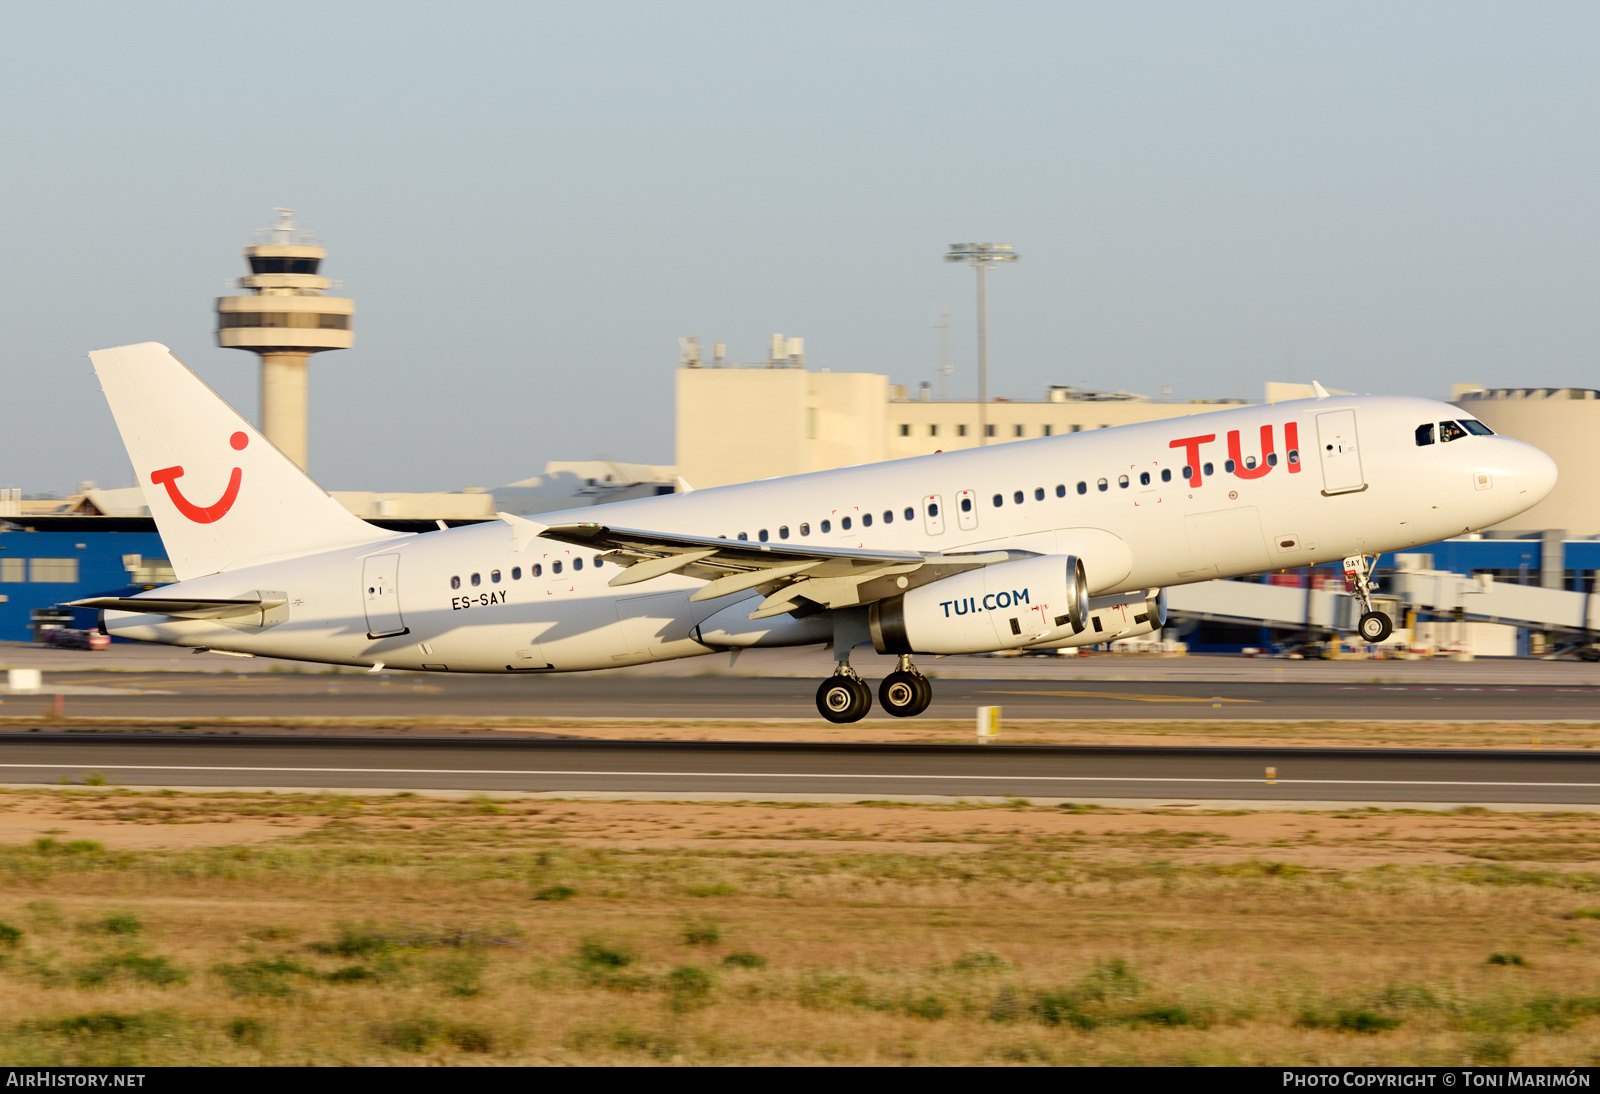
<point x="792" y="576"/>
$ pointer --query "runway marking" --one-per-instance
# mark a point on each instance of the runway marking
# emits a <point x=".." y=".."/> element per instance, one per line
<point x="795" y="775"/>
<point x="1129" y="698"/>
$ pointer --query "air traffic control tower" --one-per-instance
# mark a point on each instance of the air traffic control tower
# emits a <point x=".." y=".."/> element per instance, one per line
<point x="286" y="318"/>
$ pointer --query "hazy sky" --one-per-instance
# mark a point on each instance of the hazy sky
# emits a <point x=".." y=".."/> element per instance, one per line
<point x="531" y="202"/>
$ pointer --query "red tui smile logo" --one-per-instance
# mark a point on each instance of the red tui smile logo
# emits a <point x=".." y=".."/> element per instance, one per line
<point x="202" y="514"/>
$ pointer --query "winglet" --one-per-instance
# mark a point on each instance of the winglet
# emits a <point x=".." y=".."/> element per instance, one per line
<point x="683" y="486"/>
<point x="523" y="530"/>
<point x="1322" y="392"/>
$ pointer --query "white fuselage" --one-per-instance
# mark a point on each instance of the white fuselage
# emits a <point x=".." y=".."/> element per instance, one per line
<point x="1357" y="483"/>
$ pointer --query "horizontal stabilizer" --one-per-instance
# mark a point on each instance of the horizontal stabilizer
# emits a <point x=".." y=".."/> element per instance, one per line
<point x="187" y="609"/>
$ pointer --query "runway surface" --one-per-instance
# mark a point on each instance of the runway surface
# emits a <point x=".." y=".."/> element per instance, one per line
<point x="866" y="771"/>
<point x="204" y="695"/>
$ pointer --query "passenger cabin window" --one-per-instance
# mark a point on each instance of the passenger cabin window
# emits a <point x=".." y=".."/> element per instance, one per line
<point x="805" y="529"/>
<point x="1294" y="455"/>
<point x="1122" y="481"/>
<point x="535" y="570"/>
<point x="933" y="508"/>
<point x="1017" y="497"/>
<point x="1144" y="478"/>
<point x="1207" y="469"/>
<point x="999" y="501"/>
<point x="1476" y="427"/>
<point x="1061" y="490"/>
<point x="1450" y="431"/>
<point x="476" y="580"/>
<point x="1188" y="472"/>
<point x="1272" y="460"/>
<point x="1101" y="483"/>
<point x="827" y="526"/>
<point x="598" y="562"/>
<point x="888" y="516"/>
<point x="1166" y="474"/>
<point x="783" y="532"/>
<point x="455" y="582"/>
<point x="577" y="564"/>
<point x="494" y="576"/>
<point x="1228" y="466"/>
<point x="516" y="573"/>
<point x="866" y="520"/>
<point x="1083" y="488"/>
<point x="555" y="567"/>
<point x="844" y="524"/>
<point x="744" y="536"/>
<point x="1424" y="434"/>
<point x="762" y="535"/>
<point x="911" y="514"/>
<point x="1038" y="493"/>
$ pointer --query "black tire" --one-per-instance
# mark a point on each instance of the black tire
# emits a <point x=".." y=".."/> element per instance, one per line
<point x="1375" y="627"/>
<point x="1589" y="653"/>
<point x="905" y="694"/>
<point x="843" y="699"/>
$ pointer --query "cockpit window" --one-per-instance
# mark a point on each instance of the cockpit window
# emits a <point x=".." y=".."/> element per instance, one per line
<point x="1477" y="428"/>
<point x="1424" y="434"/>
<point x="1449" y="431"/>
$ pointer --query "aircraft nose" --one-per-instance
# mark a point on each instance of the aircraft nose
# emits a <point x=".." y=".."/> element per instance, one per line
<point x="1533" y="473"/>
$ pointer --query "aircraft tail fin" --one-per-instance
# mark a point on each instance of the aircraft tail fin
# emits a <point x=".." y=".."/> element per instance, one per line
<point x="222" y="495"/>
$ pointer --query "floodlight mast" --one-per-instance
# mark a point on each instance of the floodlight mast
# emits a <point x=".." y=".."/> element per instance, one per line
<point x="981" y="256"/>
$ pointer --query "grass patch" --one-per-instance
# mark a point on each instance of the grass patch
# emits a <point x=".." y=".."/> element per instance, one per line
<point x="991" y="934"/>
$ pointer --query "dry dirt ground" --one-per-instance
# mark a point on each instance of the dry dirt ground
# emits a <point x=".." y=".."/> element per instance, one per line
<point x="162" y="927"/>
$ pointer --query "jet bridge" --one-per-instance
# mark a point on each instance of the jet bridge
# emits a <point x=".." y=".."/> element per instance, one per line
<point x="1432" y="594"/>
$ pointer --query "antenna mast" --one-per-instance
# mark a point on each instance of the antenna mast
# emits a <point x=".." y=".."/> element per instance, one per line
<point x="944" y="352"/>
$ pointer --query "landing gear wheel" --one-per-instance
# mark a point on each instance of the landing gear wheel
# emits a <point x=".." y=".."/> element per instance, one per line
<point x="1375" y="626"/>
<point x="844" y="699"/>
<point x="905" y="694"/>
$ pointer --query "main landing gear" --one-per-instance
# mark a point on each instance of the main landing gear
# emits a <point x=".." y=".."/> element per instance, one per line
<point x="845" y="697"/>
<point x="905" y="692"/>
<point x="1374" y="626"/>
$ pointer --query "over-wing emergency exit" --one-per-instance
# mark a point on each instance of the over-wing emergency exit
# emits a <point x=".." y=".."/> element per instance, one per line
<point x="1044" y="544"/>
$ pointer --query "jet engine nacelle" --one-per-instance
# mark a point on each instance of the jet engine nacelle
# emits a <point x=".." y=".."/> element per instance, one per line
<point x="1001" y="607"/>
<point x="1112" y="617"/>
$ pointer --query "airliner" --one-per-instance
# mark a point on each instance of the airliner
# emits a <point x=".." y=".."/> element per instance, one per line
<point x="1043" y="544"/>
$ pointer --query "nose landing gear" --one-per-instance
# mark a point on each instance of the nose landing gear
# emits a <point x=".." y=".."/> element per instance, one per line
<point x="1374" y="626"/>
<point x="905" y="693"/>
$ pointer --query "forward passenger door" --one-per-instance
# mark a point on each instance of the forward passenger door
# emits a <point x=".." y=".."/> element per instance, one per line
<point x="1340" y="454"/>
